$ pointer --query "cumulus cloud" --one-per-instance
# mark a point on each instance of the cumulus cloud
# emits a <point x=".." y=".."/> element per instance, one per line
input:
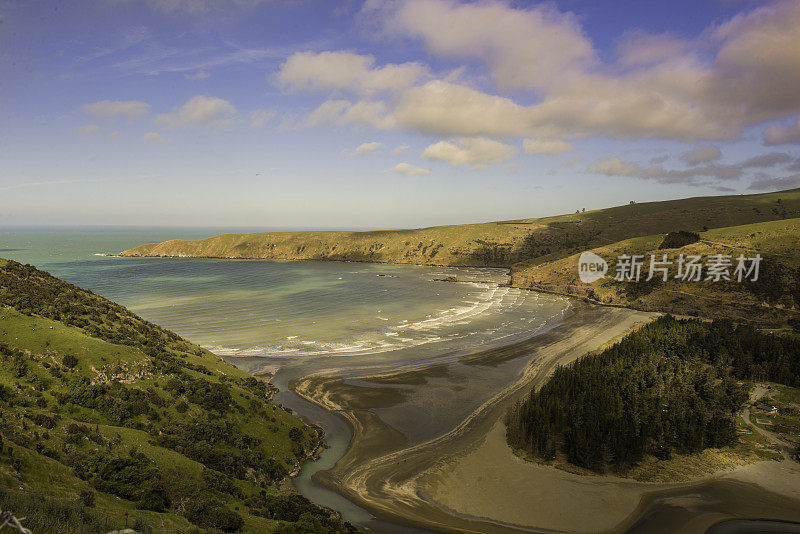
<point x="89" y="129"/>
<point x="260" y="117"/>
<point x="782" y="135"/>
<point x="736" y="74"/>
<point x="476" y="151"/>
<point x="399" y="150"/>
<point x="764" y="182"/>
<point x="112" y="108"/>
<point x="365" y="148"/>
<point x="345" y="70"/>
<point x="444" y="108"/>
<point x="199" y="111"/>
<point x="701" y="154"/>
<point x="152" y="138"/>
<point x="343" y="113"/>
<point x="547" y="44"/>
<point x="409" y="170"/>
<point x="195" y="76"/>
<point x="544" y="146"/>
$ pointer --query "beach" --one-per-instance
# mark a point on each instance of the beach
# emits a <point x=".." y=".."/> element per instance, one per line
<point x="464" y="478"/>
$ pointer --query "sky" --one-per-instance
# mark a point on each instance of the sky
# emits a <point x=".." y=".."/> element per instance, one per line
<point x="388" y="114"/>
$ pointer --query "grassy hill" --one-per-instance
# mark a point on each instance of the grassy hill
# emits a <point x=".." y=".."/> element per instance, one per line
<point x="500" y="244"/>
<point x="774" y="298"/>
<point x="108" y="421"/>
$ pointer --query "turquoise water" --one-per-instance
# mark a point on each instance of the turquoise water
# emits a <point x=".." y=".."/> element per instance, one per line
<point x="266" y="312"/>
<point x="296" y="318"/>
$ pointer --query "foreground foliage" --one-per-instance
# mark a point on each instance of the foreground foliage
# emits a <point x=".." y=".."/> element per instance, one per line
<point x="108" y="421"/>
<point x="673" y="385"/>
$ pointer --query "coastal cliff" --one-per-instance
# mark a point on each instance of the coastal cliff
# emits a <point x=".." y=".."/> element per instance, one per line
<point x="542" y="253"/>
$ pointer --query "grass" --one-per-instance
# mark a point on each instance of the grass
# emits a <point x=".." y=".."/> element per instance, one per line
<point x="170" y="414"/>
<point x="770" y="301"/>
<point x="502" y="243"/>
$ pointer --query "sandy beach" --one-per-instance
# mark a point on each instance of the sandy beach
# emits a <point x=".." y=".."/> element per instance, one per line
<point x="465" y="479"/>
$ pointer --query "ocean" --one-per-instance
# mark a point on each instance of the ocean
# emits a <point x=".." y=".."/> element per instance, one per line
<point x="267" y="312"/>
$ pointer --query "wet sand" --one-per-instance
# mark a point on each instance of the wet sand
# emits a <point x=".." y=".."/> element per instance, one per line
<point x="429" y="451"/>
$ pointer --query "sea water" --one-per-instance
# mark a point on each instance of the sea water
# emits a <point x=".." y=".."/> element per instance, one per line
<point x="295" y="318"/>
<point x="266" y="312"/>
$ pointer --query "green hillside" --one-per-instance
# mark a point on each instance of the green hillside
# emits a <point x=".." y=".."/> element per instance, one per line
<point x="665" y="395"/>
<point x="500" y="244"/>
<point x="110" y="421"/>
<point x="774" y="297"/>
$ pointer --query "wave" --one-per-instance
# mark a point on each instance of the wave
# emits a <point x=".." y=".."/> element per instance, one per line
<point x="461" y="324"/>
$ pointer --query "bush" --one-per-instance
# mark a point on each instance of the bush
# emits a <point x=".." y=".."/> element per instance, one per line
<point x="69" y="361"/>
<point x="679" y="239"/>
<point x="212" y="514"/>
<point x="154" y="498"/>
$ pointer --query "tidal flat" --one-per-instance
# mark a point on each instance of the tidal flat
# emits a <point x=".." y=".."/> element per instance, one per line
<point x="426" y="449"/>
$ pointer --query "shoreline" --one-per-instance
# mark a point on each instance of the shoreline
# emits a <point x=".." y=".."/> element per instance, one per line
<point x="458" y="481"/>
<point x="380" y="474"/>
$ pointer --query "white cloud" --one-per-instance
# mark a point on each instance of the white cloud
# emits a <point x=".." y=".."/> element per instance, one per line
<point x="89" y="129"/>
<point x="112" y="108"/>
<point x="444" y="108"/>
<point x="199" y="75"/>
<point x="199" y="111"/>
<point x="524" y="48"/>
<point x="343" y="113"/>
<point x="732" y="75"/>
<point x="260" y="117"/>
<point x="152" y="138"/>
<point x="544" y="146"/>
<point x="114" y="135"/>
<point x="365" y="148"/>
<point x="409" y="170"/>
<point x="782" y="135"/>
<point x="476" y="151"/>
<point x="345" y="70"/>
<point x="701" y="154"/>
<point x="399" y="150"/>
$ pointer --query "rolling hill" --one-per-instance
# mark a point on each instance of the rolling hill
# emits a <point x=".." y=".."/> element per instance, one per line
<point x="109" y="421"/>
<point x="498" y="244"/>
<point x="773" y="298"/>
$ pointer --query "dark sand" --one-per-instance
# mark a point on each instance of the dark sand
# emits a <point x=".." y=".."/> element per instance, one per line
<point x="428" y="450"/>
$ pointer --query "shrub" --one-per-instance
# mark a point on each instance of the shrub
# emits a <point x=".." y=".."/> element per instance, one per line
<point x="212" y="514"/>
<point x="679" y="239"/>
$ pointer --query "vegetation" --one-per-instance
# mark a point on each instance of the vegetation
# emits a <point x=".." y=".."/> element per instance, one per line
<point x="772" y="299"/>
<point x="671" y="386"/>
<point x="108" y="421"/>
<point x="679" y="239"/>
<point x="499" y="244"/>
<point x="543" y="253"/>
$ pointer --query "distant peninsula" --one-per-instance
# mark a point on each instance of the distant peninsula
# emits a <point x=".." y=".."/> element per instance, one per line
<point x="542" y="253"/>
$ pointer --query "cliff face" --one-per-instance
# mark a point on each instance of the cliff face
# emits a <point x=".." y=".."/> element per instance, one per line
<point x="497" y="244"/>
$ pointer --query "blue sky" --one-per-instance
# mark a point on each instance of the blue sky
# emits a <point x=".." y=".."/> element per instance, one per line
<point x="401" y="113"/>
